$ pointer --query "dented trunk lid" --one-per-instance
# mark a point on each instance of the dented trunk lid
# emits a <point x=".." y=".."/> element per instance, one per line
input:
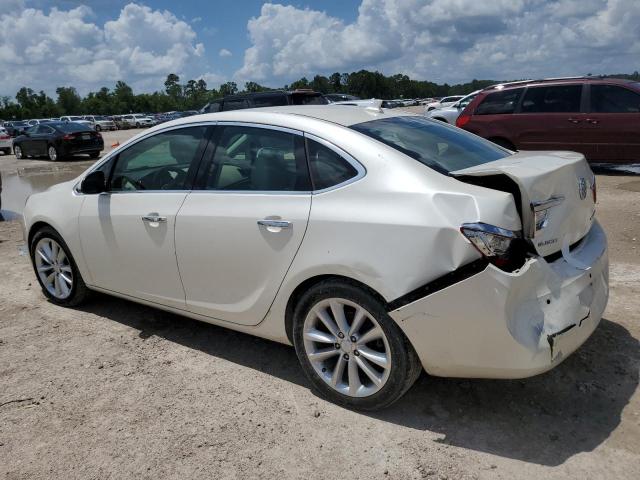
<point x="558" y="183"/>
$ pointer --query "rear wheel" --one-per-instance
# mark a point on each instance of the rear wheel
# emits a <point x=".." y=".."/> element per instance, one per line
<point x="56" y="269"/>
<point x="17" y="151"/>
<point x="137" y="124"/>
<point x="353" y="353"/>
<point x="52" y="153"/>
<point x="98" y="128"/>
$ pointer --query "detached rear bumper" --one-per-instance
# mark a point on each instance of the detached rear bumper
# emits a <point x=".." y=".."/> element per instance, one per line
<point x="512" y="325"/>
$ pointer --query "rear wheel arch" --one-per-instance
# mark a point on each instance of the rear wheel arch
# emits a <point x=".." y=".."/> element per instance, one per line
<point x="312" y="281"/>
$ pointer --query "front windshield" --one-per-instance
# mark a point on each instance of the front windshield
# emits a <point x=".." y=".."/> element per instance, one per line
<point x="75" y="119"/>
<point x="466" y="100"/>
<point x="434" y="144"/>
<point x="100" y="118"/>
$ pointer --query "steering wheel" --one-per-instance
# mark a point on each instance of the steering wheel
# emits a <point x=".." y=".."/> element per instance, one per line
<point x="164" y="180"/>
<point x="136" y="183"/>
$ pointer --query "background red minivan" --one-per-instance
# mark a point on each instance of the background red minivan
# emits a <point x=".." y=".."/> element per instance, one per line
<point x="599" y="117"/>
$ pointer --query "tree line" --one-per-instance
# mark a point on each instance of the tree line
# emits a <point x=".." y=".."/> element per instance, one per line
<point x="194" y="94"/>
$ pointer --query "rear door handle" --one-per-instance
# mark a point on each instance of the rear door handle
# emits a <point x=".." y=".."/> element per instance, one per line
<point x="573" y="120"/>
<point x="275" y="223"/>
<point x="154" y="218"/>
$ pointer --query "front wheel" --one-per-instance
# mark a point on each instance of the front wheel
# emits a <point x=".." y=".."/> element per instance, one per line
<point x="56" y="269"/>
<point x="98" y="128"/>
<point x="351" y="351"/>
<point x="17" y="151"/>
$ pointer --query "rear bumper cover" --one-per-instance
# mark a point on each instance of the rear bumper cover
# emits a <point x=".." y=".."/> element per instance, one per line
<point x="498" y="324"/>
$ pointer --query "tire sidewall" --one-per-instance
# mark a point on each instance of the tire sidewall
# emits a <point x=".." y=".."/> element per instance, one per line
<point x="401" y="350"/>
<point x="18" y="156"/>
<point x="48" y="232"/>
<point x="49" y="155"/>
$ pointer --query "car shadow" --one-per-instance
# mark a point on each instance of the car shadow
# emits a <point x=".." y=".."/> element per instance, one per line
<point x="545" y="419"/>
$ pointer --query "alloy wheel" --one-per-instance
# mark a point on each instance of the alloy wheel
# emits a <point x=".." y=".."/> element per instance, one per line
<point x="54" y="268"/>
<point x="53" y="153"/>
<point x="347" y="347"/>
<point x="17" y="151"/>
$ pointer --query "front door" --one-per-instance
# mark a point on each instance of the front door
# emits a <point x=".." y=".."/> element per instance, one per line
<point x="237" y="236"/>
<point x="127" y="234"/>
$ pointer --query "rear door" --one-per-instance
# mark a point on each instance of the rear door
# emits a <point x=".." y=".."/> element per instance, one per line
<point x="550" y="118"/>
<point x="238" y="234"/>
<point x="613" y="123"/>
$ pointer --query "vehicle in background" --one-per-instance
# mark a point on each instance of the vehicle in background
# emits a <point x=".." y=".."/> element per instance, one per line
<point x="5" y="141"/>
<point x="598" y="117"/>
<point x="76" y="119"/>
<point x="136" y="121"/>
<point x="443" y="102"/>
<point x="58" y="140"/>
<point x="16" y="127"/>
<point x="100" y="122"/>
<point x="424" y="101"/>
<point x="37" y="121"/>
<point x="340" y="97"/>
<point x="451" y="113"/>
<point x="255" y="220"/>
<point x="274" y="98"/>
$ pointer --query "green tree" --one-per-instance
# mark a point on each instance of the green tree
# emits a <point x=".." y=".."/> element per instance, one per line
<point x="229" y="88"/>
<point x="69" y="102"/>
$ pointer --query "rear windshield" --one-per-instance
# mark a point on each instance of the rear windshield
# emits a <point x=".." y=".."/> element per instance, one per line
<point x="441" y="147"/>
<point x="70" y="127"/>
<point x="306" y="99"/>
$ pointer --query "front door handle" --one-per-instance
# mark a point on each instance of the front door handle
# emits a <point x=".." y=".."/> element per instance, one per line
<point x="154" y="218"/>
<point x="274" y="223"/>
<point x="573" y="120"/>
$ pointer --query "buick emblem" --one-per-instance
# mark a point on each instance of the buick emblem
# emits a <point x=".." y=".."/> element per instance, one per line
<point x="582" y="188"/>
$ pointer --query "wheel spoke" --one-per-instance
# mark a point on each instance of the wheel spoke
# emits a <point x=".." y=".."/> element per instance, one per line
<point x="323" y="355"/>
<point x="45" y="268"/>
<point x="43" y="255"/>
<point x="56" y="285"/>
<point x="358" y="320"/>
<point x="378" y="358"/>
<point x="64" y="288"/>
<point x="328" y="322"/>
<point x="50" y="277"/>
<point x="61" y="257"/>
<point x="317" y="336"/>
<point x="337" y="309"/>
<point x="66" y="268"/>
<point x="373" y="334"/>
<point x="55" y="250"/>
<point x="338" y="371"/>
<point x="368" y="370"/>
<point x="354" y="378"/>
<point x="65" y="278"/>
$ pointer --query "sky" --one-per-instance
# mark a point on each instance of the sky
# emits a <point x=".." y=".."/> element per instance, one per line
<point x="93" y="43"/>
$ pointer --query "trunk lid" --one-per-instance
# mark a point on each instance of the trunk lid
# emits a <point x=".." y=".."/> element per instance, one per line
<point x="555" y="195"/>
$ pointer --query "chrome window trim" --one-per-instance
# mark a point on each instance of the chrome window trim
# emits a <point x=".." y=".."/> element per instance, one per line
<point x="266" y="126"/>
<point x="360" y="169"/>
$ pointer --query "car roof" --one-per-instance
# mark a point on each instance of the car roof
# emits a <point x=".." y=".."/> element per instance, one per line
<point x="559" y="80"/>
<point x="344" y="115"/>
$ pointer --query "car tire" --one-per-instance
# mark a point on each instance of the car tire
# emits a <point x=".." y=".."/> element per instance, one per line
<point x="98" y="128"/>
<point x="69" y="295"/>
<point x="137" y="124"/>
<point x="94" y="154"/>
<point x="17" y="151"/>
<point x="396" y="366"/>
<point x="52" y="153"/>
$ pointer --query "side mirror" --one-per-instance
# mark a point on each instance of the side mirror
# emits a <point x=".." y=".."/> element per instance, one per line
<point x="94" y="183"/>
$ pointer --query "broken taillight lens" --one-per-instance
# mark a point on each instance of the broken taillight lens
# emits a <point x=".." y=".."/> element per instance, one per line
<point x="499" y="246"/>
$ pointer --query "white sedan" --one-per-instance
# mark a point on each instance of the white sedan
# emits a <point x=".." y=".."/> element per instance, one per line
<point x="443" y="102"/>
<point x="377" y="242"/>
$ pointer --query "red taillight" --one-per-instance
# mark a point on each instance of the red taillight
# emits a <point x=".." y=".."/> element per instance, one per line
<point x="5" y="137"/>
<point x="462" y="120"/>
<point x="68" y="137"/>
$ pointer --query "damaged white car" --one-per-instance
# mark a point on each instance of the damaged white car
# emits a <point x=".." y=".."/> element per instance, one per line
<point x="377" y="242"/>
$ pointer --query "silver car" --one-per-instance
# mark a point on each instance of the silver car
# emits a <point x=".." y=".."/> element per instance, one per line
<point x="100" y="122"/>
<point x="450" y="114"/>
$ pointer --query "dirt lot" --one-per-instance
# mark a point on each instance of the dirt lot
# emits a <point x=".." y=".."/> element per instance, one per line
<point x="118" y="390"/>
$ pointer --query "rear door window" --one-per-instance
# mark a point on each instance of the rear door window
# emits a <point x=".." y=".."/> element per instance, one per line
<point x="614" y="99"/>
<point x="500" y="103"/>
<point x="552" y="99"/>
<point x="328" y="168"/>
<point x="269" y="101"/>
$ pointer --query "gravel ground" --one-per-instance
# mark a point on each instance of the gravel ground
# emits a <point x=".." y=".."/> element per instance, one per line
<point x="118" y="390"/>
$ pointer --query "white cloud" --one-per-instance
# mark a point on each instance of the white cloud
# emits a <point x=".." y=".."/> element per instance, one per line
<point x="447" y="40"/>
<point x="44" y="51"/>
<point x="225" y="53"/>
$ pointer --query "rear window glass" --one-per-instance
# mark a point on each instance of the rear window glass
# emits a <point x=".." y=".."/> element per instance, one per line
<point x="441" y="147"/>
<point x="70" y="127"/>
<point x="499" y="103"/>
<point x="552" y="99"/>
<point x="308" y="99"/>
<point x="234" y="104"/>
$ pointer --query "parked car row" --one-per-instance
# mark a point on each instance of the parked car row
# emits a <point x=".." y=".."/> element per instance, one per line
<point x="58" y="140"/>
